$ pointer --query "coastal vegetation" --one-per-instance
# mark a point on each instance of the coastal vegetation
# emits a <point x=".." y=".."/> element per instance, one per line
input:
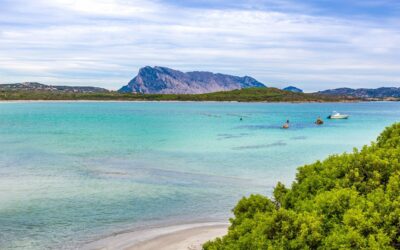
<point x="242" y="95"/>
<point x="348" y="201"/>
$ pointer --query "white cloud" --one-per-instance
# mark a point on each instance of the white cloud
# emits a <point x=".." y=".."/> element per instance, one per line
<point x="104" y="7"/>
<point x="105" y="42"/>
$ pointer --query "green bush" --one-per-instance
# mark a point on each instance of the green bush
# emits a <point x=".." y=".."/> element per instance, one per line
<point x="348" y="201"/>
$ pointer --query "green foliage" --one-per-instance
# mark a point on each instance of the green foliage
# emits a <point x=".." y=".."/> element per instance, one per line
<point x="348" y="201"/>
<point x="242" y="95"/>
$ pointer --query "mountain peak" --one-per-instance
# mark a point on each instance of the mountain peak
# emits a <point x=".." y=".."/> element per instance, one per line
<point x="163" y="80"/>
<point x="293" y="89"/>
<point x="383" y="92"/>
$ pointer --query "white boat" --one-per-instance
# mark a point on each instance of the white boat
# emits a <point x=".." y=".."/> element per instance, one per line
<point x="336" y="115"/>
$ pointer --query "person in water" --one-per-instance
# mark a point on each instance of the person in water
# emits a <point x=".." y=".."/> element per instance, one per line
<point x="319" y="121"/>
<point x="286" y="125"/>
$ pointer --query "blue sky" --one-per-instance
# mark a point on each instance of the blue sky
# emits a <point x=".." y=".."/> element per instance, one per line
<point x="310" y="44"/>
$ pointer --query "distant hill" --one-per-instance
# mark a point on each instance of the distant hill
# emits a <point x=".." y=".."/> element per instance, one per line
<point x="162" y="80"/>
<point x="239" y="95"/>
<point x="293" y="89"/>
<point x="379" y="93"/>
<point x="262" y="95"/>
<point x="35" y="86"/>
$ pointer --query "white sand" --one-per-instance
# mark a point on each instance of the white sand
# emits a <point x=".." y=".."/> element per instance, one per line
<point x="181" y="237"/>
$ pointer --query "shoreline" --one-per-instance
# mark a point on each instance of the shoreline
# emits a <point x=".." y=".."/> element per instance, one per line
<point x="180" y="101"/>
<point x="177" y="237"/>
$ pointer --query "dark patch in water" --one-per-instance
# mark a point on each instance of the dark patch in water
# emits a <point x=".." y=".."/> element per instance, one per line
<point x="255" y="127"/>
<point x="275" y="144"/>
<point x="238" y="115"/>
<point x="293" y="126"/>
<point x="298" y="138"/>
<point x="231" y="136"/>
<point x="211" y="115"/>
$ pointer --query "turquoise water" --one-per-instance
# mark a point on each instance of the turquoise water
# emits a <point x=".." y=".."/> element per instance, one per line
<point x="74" y="172"/>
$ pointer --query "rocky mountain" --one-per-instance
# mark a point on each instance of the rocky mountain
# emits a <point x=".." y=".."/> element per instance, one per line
<point x="293" y="89"/>
<point x="162" y="80"/>
<point x="35" y="86"/>
<point x="379" y="93"/>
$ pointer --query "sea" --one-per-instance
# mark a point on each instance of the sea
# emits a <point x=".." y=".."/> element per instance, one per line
<point x="74" y="172"/>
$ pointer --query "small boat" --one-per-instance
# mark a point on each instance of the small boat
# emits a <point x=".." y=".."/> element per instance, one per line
<point x="337" y="115"/>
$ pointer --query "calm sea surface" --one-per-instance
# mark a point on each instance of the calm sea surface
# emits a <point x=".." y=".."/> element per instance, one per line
<point x="73" y="172"/>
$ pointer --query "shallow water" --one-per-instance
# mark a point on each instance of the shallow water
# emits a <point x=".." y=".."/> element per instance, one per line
<point x="72" y="172"/>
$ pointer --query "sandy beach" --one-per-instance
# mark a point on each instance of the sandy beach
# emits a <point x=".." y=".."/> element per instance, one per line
<point x="180" y="237"/>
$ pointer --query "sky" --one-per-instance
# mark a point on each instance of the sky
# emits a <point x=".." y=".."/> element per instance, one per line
<point x="311" y="44"/>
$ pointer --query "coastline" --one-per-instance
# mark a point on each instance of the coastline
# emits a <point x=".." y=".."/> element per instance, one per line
<point x="181" y="101"/>
<point x="177" y="237"/>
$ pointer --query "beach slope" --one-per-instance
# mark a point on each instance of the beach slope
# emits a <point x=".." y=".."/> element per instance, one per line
<point x="180" y="237"/>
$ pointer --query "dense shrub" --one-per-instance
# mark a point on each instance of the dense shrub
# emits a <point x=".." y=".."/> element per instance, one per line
<point x="348" y="201"/>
